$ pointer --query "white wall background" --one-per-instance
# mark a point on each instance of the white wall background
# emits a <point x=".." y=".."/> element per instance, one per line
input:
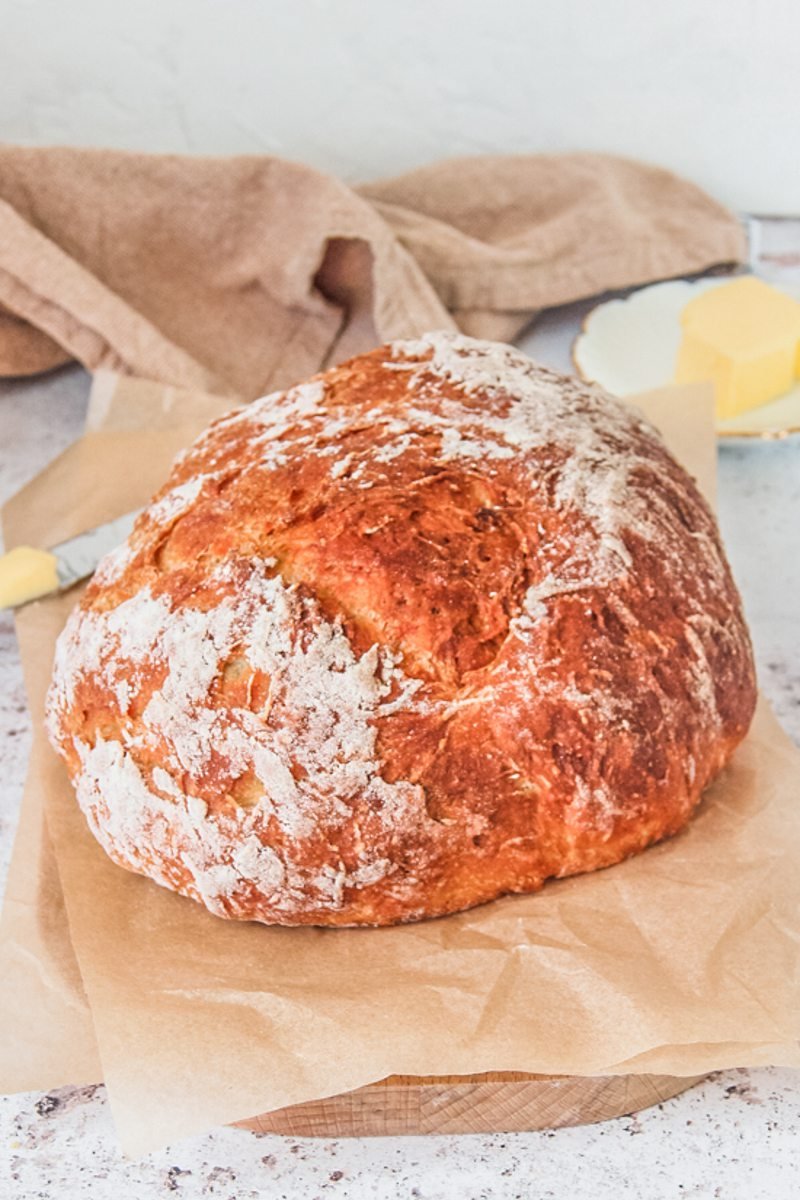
<point x="362" y="88"/>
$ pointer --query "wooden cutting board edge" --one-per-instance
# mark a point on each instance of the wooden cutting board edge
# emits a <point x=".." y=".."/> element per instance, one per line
<point x="495" y="1102"/>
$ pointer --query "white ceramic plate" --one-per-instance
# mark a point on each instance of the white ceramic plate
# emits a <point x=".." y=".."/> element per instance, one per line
<point x="630" y="345"/>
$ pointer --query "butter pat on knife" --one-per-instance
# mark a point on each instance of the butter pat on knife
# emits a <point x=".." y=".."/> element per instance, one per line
<point x="28" y="574"/>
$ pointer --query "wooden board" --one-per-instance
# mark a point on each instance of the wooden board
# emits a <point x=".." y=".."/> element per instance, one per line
<point x="501" y="1101"/>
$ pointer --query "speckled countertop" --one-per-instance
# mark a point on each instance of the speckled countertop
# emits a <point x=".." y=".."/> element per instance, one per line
<point x="736" y="1135"/>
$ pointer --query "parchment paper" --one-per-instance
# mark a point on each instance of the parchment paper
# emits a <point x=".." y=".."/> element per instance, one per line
<point x="684" y="959"/>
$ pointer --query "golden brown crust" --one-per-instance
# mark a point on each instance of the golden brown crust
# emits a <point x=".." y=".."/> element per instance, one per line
<point x="436" y="626"/>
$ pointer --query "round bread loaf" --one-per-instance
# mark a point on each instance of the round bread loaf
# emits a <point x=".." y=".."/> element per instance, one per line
<point x="433" y="627"/>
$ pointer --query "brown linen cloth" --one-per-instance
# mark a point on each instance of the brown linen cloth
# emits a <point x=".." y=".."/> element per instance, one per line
<point x="238" y="275"/>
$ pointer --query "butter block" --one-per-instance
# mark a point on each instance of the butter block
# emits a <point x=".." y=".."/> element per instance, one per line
<point x="744" y="336"/>
<point x="26" y="574"/>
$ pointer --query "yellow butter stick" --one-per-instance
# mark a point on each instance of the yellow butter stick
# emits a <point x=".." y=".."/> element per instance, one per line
<point x="26" y="574"/>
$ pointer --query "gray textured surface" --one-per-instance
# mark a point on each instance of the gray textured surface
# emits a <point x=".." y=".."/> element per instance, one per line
<point x="737" y="1135"/>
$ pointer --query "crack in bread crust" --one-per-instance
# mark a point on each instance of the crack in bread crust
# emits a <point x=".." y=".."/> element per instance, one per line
<point x="435" y="626"/>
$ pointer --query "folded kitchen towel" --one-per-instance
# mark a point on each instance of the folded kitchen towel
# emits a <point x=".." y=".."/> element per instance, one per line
<point x="239" y="275"/>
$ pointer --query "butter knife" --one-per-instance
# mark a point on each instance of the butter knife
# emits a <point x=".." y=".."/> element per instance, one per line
<point x="28" y="574"/>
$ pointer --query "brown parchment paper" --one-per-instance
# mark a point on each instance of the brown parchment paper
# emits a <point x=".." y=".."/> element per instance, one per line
<point x="681" y="960"/>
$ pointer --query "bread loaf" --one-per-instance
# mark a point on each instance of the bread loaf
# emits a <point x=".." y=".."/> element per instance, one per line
<point x="435" y="626"/>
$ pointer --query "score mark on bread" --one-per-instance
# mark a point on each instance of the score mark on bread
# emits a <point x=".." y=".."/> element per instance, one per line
<point x="436" y="626"/>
